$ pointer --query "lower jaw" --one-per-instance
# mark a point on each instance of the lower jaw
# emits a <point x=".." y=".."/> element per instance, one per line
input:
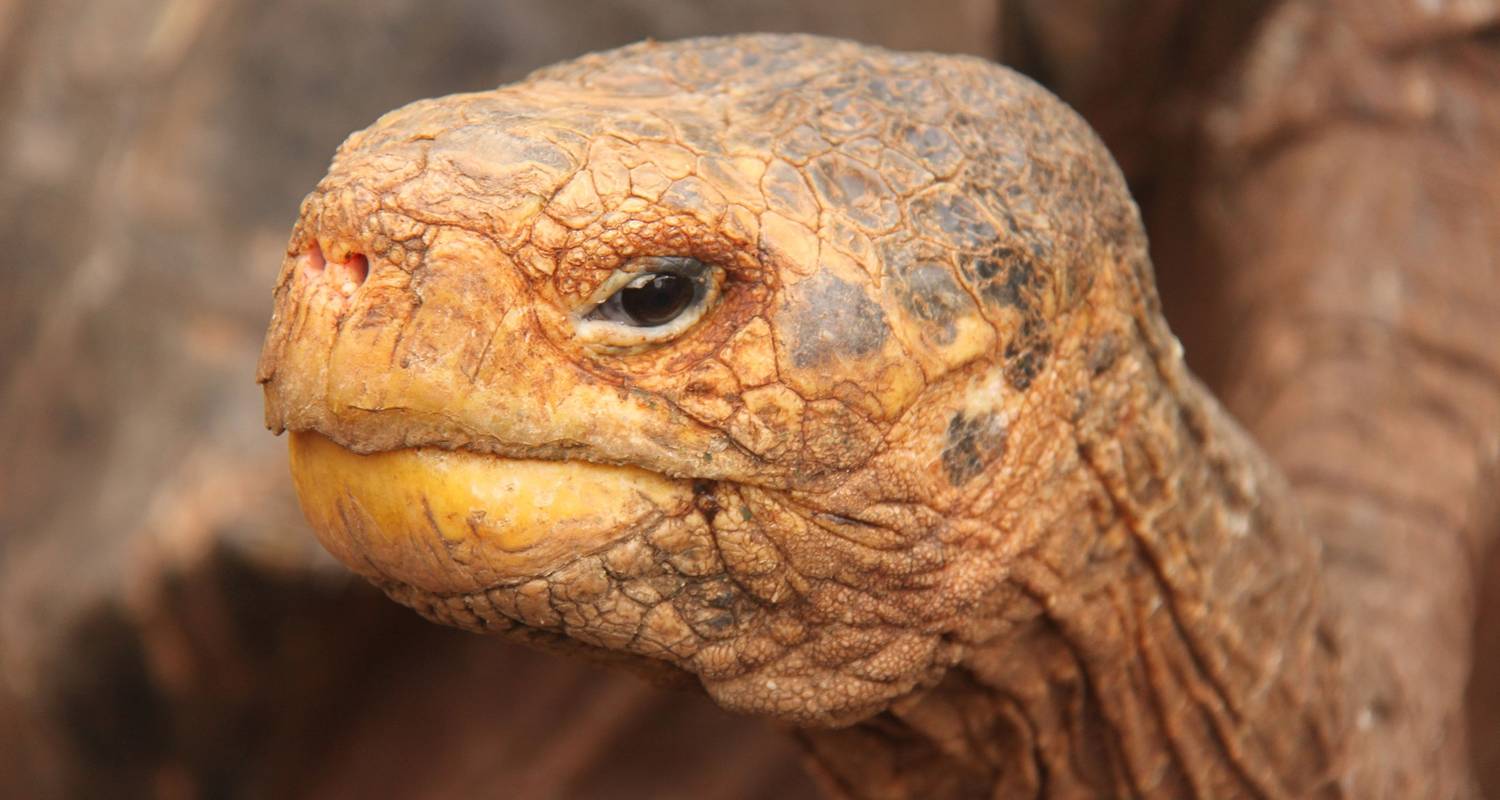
<point x="455" y="522"/>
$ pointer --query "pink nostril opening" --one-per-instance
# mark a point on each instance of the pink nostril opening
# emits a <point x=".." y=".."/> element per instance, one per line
<point x="351" y="273"/>
<point x="313" y="261"/>
<point x="343" y="276"/>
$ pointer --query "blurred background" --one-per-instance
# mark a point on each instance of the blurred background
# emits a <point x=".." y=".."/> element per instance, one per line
<point x="168" y="627"/>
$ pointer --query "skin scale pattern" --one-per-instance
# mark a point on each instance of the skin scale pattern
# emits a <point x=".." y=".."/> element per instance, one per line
<point x="938" y="488"/>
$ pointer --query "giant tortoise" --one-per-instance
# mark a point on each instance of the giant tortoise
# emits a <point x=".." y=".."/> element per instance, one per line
<point x="834" y="380"/>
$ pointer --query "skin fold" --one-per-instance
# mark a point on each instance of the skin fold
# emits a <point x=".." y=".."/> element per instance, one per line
<point x="927" y="479"/>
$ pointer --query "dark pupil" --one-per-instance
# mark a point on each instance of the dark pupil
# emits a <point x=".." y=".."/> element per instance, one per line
<point x="657" y="300"/>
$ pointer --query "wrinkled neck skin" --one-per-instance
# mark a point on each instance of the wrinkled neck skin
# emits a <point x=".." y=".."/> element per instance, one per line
<point x="1182" y="653"/>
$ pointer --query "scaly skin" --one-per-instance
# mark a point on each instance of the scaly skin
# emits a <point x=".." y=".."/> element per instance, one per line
<point x="929" y="479"/>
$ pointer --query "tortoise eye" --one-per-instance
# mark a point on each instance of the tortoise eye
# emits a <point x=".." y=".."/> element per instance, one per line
<point x="650" y="300"/>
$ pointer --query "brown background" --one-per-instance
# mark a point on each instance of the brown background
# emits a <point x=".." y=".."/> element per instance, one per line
<point x="167" y="625"/>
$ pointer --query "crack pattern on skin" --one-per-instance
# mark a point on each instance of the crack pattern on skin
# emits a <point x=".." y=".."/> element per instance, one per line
<point x="948" y="482"/>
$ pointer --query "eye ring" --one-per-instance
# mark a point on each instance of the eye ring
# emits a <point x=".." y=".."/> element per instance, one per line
<point x="649" y="300"/>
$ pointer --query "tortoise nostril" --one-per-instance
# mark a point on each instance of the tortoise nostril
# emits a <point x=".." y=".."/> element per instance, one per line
<point x="351" y="273"/>
<point x="340" y="268"/>
<point x="313" y="262"/>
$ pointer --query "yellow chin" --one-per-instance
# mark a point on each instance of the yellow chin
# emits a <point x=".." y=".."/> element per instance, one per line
<point x="458" y="522"/>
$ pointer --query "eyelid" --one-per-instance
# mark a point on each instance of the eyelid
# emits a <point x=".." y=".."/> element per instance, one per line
<point x="637" y="267"/>
<point x="614" y="335"/>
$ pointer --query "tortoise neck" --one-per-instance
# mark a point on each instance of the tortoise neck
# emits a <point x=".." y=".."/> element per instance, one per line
<point x="1186" y="655"/>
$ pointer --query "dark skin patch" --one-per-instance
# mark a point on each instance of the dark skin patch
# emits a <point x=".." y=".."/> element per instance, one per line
<point x="826" y="319"/>
<point x="1026" y="355"/>
<point x="973" y="443"/>
<point x="712" y="607"/>
<point x="1024" y="363"/>
<point x="932" y="296"/>
<point x="704" y="500"/>
<point x="1007" y="278"/>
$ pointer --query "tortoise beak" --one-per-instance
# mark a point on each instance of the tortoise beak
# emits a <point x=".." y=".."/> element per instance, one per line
<point x="452" y="521"/>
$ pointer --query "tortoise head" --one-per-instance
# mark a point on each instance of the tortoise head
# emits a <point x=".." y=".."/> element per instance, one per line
<point x="756" y="357"/>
